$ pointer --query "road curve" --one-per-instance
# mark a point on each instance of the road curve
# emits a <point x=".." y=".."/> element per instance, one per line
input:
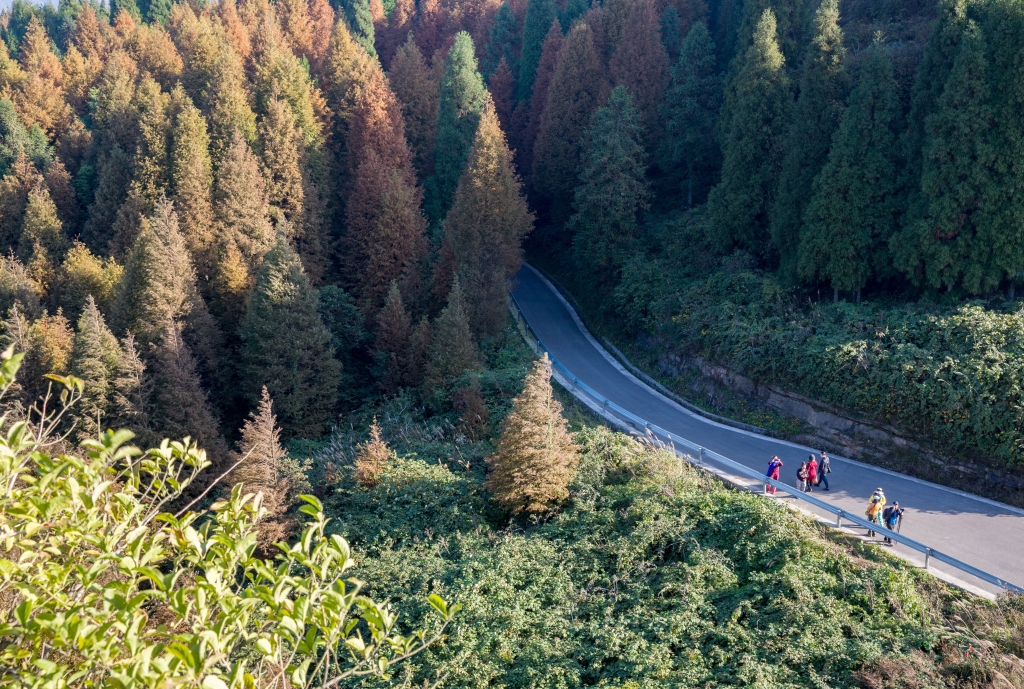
<point x="978" y="531"/>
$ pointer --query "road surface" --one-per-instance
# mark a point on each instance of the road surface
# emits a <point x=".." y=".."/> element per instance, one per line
<point x="978" y="531"/>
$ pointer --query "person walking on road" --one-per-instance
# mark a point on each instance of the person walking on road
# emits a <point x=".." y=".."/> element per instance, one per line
<point x="824" y="469"/>
<point x="874" y="511"/>
<point x="892" y="517"/>
<point x="812" y="472"/>
<point x="773" y="473"/>
<point x="801" y="477"/>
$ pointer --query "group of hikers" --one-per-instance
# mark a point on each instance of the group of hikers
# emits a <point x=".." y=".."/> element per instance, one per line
<point x="814" y="472"/>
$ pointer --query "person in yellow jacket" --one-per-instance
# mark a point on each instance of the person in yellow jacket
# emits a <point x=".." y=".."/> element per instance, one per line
<point x="874" y="511"/>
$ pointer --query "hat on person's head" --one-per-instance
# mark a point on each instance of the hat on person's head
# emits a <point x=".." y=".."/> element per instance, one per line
<point x="878" y="490"/>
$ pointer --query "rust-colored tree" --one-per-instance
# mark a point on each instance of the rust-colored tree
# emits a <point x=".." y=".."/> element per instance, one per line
<point x="536" y="457"/>
<point x="641" y="64"/>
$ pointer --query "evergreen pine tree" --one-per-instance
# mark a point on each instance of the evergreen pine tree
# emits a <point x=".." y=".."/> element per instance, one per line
<point x="452" y="347"/>
<point x="823" y="88"/>
<point x="391" y="342"/>
<point x="576" y="90"/>
<point x="461" y="101"/>
<point x="241" y="203"/>
<point x="15" y="187"/>
<point x="180" y="406"/>
<point x="754" y="119"/>
<point x="114" y="178"/>
<point x="641" y="64"/>
<point x="360" y="21"/>
<point x="282" y="168"/>
<point x="42" y="244"/>
<point x="536" y="457"/>
<point x="691" y="114"/>
<point x="95" y="358"/>
<point x="539" y="99"/>
<point x="951" y="243"/>
<point x="286" y="347"/>
<point x="132" y="392"/>
<point x="159" y="283"/>
<point x="503" y="42"/>
<point x="613" y="189"/>
<point x="192" y="181"/>
<point x="486" y="226"/>
<point x="412" y="83"/>
<point x="852" y="213"/>
<point x="671" y="36"/>
<point x="573" y="10"/>
<point x="16" y="287"/>
<point x="539" y="15"/>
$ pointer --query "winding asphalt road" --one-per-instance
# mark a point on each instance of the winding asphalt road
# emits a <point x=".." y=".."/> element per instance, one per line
<point x="983" y="533"/>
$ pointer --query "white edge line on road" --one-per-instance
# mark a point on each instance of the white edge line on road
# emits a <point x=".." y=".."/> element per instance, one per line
<point x="622" y="369"/>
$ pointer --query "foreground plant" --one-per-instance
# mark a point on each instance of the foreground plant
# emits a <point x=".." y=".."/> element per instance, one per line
<point x="100" y="587"/>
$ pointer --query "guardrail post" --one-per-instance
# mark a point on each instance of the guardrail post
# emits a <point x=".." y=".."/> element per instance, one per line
<point x="839" y="518"/>
<point x="604" y="407"/>
<point x="927" y="556"/>
<point x="574" y="381"/>
<point x="700" y="456"/>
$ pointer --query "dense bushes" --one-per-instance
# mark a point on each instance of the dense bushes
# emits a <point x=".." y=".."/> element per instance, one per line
<point x="952" y="373"/>
<point x="654" y="575"/>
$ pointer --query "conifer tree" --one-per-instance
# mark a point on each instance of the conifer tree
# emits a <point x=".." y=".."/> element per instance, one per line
<point x="419" y="352"/>
<point x="391" y="342"/>
<point x="286" y="347"/>
<point x="671" y="36"/>
<point x="82" y="276"/>
<point x="852" y="213"/>
<point x="15" y="187"/>
<point x="132" y="392"/>
<point x="47" y="344"/>
<point x="503" y="42"/>
<point x="613" y="189"/>
<point x="573" y="10"/>
<point x="42" y="244"/>
<point x="412" y="83"/>
<point x="40" y="96"/>
<point x="576" y="90"/>
<point x="114" y="179"/>
<point x="263" y="469"/>
<point x="430" y="34"/>
<point x="452" y="347"/>
<point x="386" y="232"/>
<point x="321" y="16"/>
<point x="396" y="33"/>
<point x="753" y="126"/>
<point x="360" y="21"/>
<point x="641" y="64"/>
<point x="385" y="227"/>
<point x="539" y="99"/>
<point x="371" y="458"/>
<point x="16" y="287"/>
<point x="62" y="192"/>
<point x="691" y="114"/>
<point x="96" y="355"/>
<point x="192" y="181"/>
<point x="461" y="101"/>
<point x="282" y="168"/>
<point x="823" y="88"/>
<point x="502" y="90"/>
<point x="486" y="226"/>
<point x="241" y="203"/>
<point x="951" y="242"/>
<point x="536" y="457"/>
<point x="539" y="15"/>
<point x="159" y="283"/>
<point x="180" y="405"/>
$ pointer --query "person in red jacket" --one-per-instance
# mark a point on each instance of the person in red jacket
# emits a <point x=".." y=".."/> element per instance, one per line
<point x="812" y="472"/>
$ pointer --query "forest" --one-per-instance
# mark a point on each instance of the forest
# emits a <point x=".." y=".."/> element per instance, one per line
<point x="262" y="391"/>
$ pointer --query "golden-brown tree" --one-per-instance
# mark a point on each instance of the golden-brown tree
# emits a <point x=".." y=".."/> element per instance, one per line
<point x="487" y="223"/>
<point x="641" y="65"/>
<point x="417" y="90"/>
<point x="536" y="457"/>
<point x="372" y="458"/>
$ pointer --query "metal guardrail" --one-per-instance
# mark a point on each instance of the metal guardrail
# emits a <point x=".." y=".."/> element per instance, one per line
<point x="703" y="454"/>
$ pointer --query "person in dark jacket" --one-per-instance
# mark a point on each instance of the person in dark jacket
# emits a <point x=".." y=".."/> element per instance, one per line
<point x="824" y="469"/>
<point x="801" y="477"/>
<point x="891" y="516"/>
